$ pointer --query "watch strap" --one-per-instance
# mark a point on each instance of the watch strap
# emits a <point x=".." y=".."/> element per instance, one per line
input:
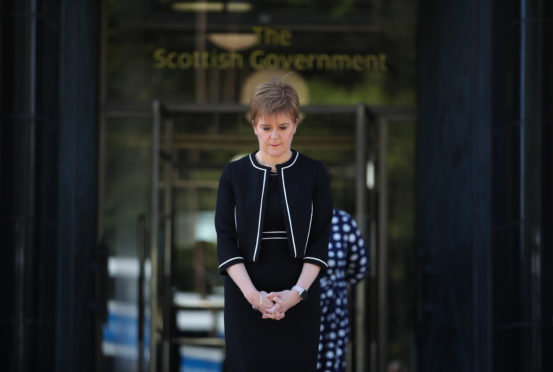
<point x="301" y="291"/>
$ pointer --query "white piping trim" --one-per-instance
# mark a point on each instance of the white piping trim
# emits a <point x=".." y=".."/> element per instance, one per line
<point x="260" y="206"/>
<point x="274" y="232"/>
<point x="274" y="238"/>
<point x="315" y="258"/>
<point x="255" y="166"/>
<point x="287" y="207"/>
<point x="230" y="259"/>
<point x="308" y="230"/>
<point x="288" y="166"/>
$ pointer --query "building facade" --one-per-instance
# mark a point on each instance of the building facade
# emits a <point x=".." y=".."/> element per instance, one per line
<point x="432" y="118"/>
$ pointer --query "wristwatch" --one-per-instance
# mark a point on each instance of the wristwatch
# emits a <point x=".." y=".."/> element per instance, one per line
<point x="302" y="292"/>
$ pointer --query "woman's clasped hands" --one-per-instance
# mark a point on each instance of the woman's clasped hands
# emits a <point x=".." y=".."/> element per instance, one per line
<point x="275" y="304"/>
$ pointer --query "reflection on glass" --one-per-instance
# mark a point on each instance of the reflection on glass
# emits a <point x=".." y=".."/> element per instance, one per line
<point x="401" y="250"/>
<point x="347" y="52"/>
<point x="127" y="188"/>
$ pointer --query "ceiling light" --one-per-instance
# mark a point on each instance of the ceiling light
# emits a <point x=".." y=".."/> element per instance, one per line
<point x="205" y="6"/>
<point x="238" y="7"/>
<point x="233" y="42"/>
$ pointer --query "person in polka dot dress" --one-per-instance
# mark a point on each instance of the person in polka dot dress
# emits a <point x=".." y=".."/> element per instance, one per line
<point x="348" y="264"/>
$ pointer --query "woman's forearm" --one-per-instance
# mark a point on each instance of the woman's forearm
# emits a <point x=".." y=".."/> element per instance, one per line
<point x="241" y="278"/>
<point x="308" y="275"/>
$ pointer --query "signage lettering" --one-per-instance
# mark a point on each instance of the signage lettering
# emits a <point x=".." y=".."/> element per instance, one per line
<point x="261" y="59"/>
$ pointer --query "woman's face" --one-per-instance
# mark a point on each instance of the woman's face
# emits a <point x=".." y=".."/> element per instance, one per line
<point x="274" y="134"/>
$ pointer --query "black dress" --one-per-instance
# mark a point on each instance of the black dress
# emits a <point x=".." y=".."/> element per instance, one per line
<point x="254" y="344"/>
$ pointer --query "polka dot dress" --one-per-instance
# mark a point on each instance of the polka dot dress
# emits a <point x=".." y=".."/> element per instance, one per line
<point x="348" y="263"/>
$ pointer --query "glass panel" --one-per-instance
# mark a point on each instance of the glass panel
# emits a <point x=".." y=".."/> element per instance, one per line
<point x="330" y="138"/>
<point x="127" y="167"/>
<point x="340" y="52"/>
<point x="202" y="143"/>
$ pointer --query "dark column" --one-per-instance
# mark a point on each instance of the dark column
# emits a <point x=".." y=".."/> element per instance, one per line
<point x="453" y="202"/>
<point x="47" y="183"/>
<point x="546" y="212"/>
<point x="485" y="217"/>
<point x="28" y="184"/>
<point x="522" y="206"/>
<point x="77" y="184"/>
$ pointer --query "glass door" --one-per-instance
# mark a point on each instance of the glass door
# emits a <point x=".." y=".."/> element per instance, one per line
<point x="124" y="228"/>
<point x="195" y="142"/>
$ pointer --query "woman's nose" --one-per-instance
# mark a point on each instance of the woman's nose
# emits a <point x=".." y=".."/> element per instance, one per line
<point x="274" y="133"/>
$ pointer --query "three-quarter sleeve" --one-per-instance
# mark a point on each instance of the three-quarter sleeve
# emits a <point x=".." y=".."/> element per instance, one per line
<point x="357" y="255"/>
<point x="228" y="253"/>
<point x="317" y="245"/>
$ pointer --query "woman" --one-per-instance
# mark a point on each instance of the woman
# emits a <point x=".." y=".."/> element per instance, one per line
<point x="348" y="264"/>
<point x="273" y="219"/>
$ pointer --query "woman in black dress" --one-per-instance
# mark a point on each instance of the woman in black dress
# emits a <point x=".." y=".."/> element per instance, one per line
<point x="273" y="219"/>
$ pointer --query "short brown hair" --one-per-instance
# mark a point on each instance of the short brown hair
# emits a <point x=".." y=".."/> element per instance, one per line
<point x="272" y="98"/>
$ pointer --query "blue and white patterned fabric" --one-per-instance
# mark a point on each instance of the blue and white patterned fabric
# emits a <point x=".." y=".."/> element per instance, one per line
<point x="348" y="263"/>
